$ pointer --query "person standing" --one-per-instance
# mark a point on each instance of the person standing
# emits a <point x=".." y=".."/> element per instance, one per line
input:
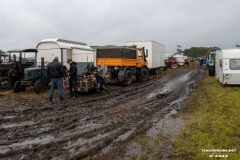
<point x="207" y="63"/>
<point x="55" y="73"/>
<point x="73" y="78"/>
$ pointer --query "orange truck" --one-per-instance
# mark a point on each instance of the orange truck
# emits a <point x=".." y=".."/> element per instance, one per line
<point x="124" y="62"/>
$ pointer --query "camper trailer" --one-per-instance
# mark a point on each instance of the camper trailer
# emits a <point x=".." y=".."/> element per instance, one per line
<point x="79" y="52"/>
<point x="227" y="66"/>
<point x="180" y="59"/>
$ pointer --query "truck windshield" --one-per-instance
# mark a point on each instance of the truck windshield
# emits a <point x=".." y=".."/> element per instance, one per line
<point x="139" y="53"/>
<point x="234" y="64"/>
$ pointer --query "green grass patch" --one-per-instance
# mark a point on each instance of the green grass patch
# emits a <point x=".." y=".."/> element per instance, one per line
<point x="213" y="122"/>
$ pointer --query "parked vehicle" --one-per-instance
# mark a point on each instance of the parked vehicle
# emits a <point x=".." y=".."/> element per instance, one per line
<point x="155" y="52"/>
<point x="211" y="67"/>
<point x="187" y="61"/>
<point x="13" y="64"/>
<point x="180" y="59"/>
<point x="36" y="77"/>
<point x="171" y="62"/>
<point x="123" y="62"/>
<point x="79" y="52"/>
<point x="227" y="66"/>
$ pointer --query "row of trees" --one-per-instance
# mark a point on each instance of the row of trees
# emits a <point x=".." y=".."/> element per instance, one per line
<point x="198" y="51"/>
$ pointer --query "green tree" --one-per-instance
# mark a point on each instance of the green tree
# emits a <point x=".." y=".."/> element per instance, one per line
<point x="198" y="51"/>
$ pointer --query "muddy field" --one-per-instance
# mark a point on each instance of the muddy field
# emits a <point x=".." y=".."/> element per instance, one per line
<point x="129" y="123"/>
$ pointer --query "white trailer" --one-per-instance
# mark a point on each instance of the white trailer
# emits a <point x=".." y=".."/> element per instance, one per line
<point x="155" y="52"/>
<point x="227" y="66"/>
<point x="180" y="59"/>
<point x="79" y="52"/>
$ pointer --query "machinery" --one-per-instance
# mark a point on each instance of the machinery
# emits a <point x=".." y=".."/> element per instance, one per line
<point x="171" y="62"/>
<point x="122" y="62"/>
<point x="36" y="77"/>
<point x="13" y="64"/>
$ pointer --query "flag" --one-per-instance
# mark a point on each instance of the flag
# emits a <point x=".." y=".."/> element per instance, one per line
<point x="178" y="46"/>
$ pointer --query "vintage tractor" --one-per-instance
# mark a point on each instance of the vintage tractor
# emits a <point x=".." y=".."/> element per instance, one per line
<point x="171" y="62"/>
<point x="36" y="77"/>
<point x="13" y="64"/>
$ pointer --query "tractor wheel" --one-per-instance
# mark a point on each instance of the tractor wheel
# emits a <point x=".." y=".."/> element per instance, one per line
<point x="127" y="78"/>
<point x="5" y="83"/>
<point x="174" y="65"/>
<point x="39" y="87"/>
<point x="144" y="75"/>
<point x="18" y="87"/>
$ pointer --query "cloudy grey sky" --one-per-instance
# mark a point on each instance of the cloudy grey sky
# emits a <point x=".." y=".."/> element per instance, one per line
<point x="201" y="23"/>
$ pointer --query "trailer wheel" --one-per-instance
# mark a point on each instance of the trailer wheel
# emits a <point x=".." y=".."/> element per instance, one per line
<point x="39" y="87"/>
<point x="144" y="75"/>
<point x="18" y="87"/>
<point x="5" y="83"/>
<point x="127" y="80"/>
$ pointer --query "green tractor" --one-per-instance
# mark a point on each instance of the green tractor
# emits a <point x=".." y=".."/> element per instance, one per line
<point x="12" y="65"/>
<point x="36" y="77"/>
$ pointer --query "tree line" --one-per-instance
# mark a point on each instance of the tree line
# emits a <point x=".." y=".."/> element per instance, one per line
<point x="198" y="51"/>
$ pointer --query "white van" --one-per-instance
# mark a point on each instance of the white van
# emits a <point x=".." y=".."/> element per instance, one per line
<point x="227" y="66"/>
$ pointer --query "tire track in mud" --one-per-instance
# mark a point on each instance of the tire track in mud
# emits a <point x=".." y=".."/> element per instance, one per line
<point x="83" y="127"/>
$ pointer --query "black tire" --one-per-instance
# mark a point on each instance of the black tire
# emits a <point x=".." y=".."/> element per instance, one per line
<point x="18" y="87"/>
<point x="127" y="78"/>
<point x="39" y="87"/>
<point x="5" y="83"/>
<point x="144" y="75"/>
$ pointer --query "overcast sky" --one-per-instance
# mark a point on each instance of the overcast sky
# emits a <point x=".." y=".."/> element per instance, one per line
<point x="189" y="23"/>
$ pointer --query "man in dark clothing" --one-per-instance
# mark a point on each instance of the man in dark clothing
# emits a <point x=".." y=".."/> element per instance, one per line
<point x="73" y="78"/>
<point x="102" y="82"/>
<point x="55" y="73"/>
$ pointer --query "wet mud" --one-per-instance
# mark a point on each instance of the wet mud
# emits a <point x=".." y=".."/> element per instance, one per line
<point x="129" y="123"/>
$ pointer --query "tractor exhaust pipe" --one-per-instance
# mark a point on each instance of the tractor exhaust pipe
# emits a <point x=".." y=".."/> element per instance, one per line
<point x="42" y="68"/>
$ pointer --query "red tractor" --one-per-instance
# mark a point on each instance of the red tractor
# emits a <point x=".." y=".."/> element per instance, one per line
<point x="171" y="62"/>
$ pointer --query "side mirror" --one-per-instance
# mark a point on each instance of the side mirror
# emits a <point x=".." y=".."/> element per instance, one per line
<point x="146" y="53"/>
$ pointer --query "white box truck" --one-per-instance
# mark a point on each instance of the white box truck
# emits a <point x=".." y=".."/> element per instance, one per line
<point x="155" y="52"/>
<point x="227" y="66"/>
<point x="79" y="52"/>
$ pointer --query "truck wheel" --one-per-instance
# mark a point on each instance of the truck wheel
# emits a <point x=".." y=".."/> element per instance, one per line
<point x="127" y="81"/>
<point x="39" y="87"/>
<point x="174" y="65"/>
<point x="5" y="83"/>
<point x="144" y="75"/>
<point x="18" y="87"/>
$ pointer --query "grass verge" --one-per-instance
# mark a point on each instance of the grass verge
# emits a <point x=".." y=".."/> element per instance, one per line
<point x="213" y="122"/>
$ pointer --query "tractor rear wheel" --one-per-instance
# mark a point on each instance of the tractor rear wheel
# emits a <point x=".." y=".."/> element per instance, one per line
<point x="5" y="83"/>
<point x="127" y="78"/>
<point x="174" y="65"/>
<point x="39" y="87"/>
<point x="18" y="87"/>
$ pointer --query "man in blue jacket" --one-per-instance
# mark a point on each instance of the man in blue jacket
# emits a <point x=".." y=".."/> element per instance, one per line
<point x="101" y="81"/>
<point x="55" y="73"/>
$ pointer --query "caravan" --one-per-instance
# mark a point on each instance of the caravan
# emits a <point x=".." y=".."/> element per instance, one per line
<point x="227" y="66"/>
<point x="79" y="52"/>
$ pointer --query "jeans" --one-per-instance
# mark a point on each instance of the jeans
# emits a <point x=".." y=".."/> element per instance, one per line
<point x="56" y="82"/>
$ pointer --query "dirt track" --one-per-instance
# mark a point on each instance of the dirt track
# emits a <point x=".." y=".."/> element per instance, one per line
<point x="92" y="126"/>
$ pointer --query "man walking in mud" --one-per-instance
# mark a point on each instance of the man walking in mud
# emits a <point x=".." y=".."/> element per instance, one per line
<point x="55" y="73"/>
<point x="73" y="78"/>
